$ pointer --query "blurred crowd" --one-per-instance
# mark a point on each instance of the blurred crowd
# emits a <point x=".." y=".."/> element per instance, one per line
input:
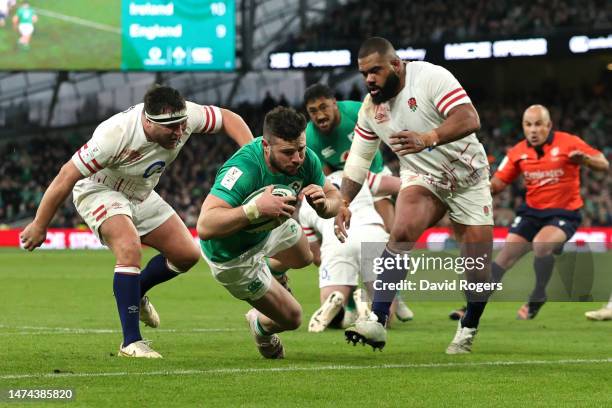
<point x="440" y="20"/>
<point x="29" y="166"/>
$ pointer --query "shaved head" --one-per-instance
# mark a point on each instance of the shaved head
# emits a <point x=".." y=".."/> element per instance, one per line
<point x="376" y="45"/>
<point x="537" y="112"/>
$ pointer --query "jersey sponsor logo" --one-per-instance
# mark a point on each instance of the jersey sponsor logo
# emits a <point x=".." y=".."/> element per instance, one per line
<point x="90" y="152"/>
<point x="231" y="177"/>
<point x="382" y="113"/>
<point x="542" y="177"/>
<point x="412" y="104"/>
<point x="157" y="167"/>
<point x="328" y="152"/>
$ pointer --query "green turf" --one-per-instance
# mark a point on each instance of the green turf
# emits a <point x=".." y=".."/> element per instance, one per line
<point x="45" y="291"/>
<point x="60" y="44"/>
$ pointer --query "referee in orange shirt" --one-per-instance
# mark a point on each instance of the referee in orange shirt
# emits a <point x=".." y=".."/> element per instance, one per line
<point x="550" y="163"/>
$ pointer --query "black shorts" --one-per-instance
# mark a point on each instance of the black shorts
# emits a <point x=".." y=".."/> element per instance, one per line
<point x="529" y="221"/>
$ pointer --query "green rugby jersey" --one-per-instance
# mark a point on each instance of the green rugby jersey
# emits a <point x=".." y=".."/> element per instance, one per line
<point x="245" y="172"/>
<point x="25" y="15"/>
<point x="333" y="148"/>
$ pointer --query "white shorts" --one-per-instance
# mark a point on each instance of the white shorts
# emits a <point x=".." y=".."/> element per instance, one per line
<point x="386" y="171"/>
<point x="25" y="29"/>
<point x="340" y="262"/>
<point x="248" y="276"/>
<point x="471" y="205"/>
<point x="96" y="205"/>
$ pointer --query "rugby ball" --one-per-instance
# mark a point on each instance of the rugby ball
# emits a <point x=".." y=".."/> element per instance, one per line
<point x="268" y="224"/>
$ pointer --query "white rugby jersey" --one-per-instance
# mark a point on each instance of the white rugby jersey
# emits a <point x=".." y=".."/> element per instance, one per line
<point x="119" y="155"/>
<point x="429" y="93"/>
<point x="362" y="209"/>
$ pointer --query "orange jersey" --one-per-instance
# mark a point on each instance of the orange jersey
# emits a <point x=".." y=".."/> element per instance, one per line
<point x="552" y="180"/>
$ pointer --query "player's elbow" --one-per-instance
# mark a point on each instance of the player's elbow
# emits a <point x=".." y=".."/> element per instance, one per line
<point x="204" y="231"/>
<point x="472" y="121"/>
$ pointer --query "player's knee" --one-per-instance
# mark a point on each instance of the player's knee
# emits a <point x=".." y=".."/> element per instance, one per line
<point x="408" y="231"/>
<point x="128" y="252"/>
<point x="541" y="249"/>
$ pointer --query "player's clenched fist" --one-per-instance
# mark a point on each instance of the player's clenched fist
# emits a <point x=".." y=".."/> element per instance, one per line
<point x="33" y="236"/>
<point x="316" y="197"/>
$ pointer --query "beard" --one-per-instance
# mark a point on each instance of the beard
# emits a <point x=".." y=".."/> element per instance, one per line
<point x="278" y="167"/>
<point x="388" y="91"/>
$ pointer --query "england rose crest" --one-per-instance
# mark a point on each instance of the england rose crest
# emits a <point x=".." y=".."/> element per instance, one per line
<point x="412" y="104"/>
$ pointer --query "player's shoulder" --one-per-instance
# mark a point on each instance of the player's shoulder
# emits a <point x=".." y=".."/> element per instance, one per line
<point x="349" y="106"/>
<point x="424" y="68"/>
<point x="517" y="150"/>
<point x="122" y="125"/>
<point x="564" y="138"/>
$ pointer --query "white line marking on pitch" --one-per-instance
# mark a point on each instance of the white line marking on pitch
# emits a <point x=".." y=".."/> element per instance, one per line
<point x="80" y="21"/>
<point x="35" y="330"/>
<point x="315" y="368"/>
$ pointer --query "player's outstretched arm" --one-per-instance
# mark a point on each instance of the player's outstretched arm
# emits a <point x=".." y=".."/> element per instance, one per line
<point x="219" y="219"/>
<point x="35" y="233"/>
<point x="497" y="185"/>
<point x="235" y="127"/>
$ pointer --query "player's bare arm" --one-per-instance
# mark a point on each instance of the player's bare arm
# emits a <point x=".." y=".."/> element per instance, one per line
<point x="383" y="185"/>
<point x="461" y="121"/>
<point x="235" y="127"/>
<point x="497" y="185"/>
<point x="315" y="248"/>
<point x="326" y="200"/>
<point x="219" y="219"/>
<point x="35" y="233"/>
<point x="596" y="162"/>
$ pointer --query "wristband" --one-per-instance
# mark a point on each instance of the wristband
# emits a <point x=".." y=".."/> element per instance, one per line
<point x="251" y="210"/>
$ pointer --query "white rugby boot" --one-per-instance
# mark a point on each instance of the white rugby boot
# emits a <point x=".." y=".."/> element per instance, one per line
<point x="599" y="315"/>
<point x="138" y="349"/>
<point x="269" y="346"/>
<point x="367" y="331"/>
<point x="326" y="313"/>
<point x="462" y="342"/>
<point x="147" y="313"/>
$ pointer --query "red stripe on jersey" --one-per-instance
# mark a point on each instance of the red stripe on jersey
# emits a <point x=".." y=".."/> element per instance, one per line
<point x="365" y="136"/>
<point x="455" y="99"/>
<point x="367" y="132"/>
<point x="85" y="164"/>
<point x="97" y="209"/>
<point x="307" y="228"/>
<point x="445" y="97"/>
<point x="310" y="234"/>
<point x="102" y="214"/>
<point x="207" y="118"/>
<point x="214" y="119"/>
<point x="95" y="163"/>
<point x="372" y="179"/>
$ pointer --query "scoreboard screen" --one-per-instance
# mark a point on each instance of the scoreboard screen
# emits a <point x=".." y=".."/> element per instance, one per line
<point x="128" y="35"/>
<point x="178" y="35"/>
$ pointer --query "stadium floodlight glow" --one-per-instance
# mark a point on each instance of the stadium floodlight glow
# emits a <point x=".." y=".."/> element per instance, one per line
<point x="579" y="44"/>
<point x="331" y="58"/>
<point x="412" y="53"/>
<point x="280" y="60"/>
<point x="468" y="50"/>
<point x="520" y="48"/>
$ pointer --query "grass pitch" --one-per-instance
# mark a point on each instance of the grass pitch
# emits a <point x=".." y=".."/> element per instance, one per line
<point x="59" y="329"/>
<point x="69" y="35"/>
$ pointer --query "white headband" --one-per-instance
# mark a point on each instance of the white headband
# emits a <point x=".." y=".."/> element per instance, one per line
<point x="168" y="118"/>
